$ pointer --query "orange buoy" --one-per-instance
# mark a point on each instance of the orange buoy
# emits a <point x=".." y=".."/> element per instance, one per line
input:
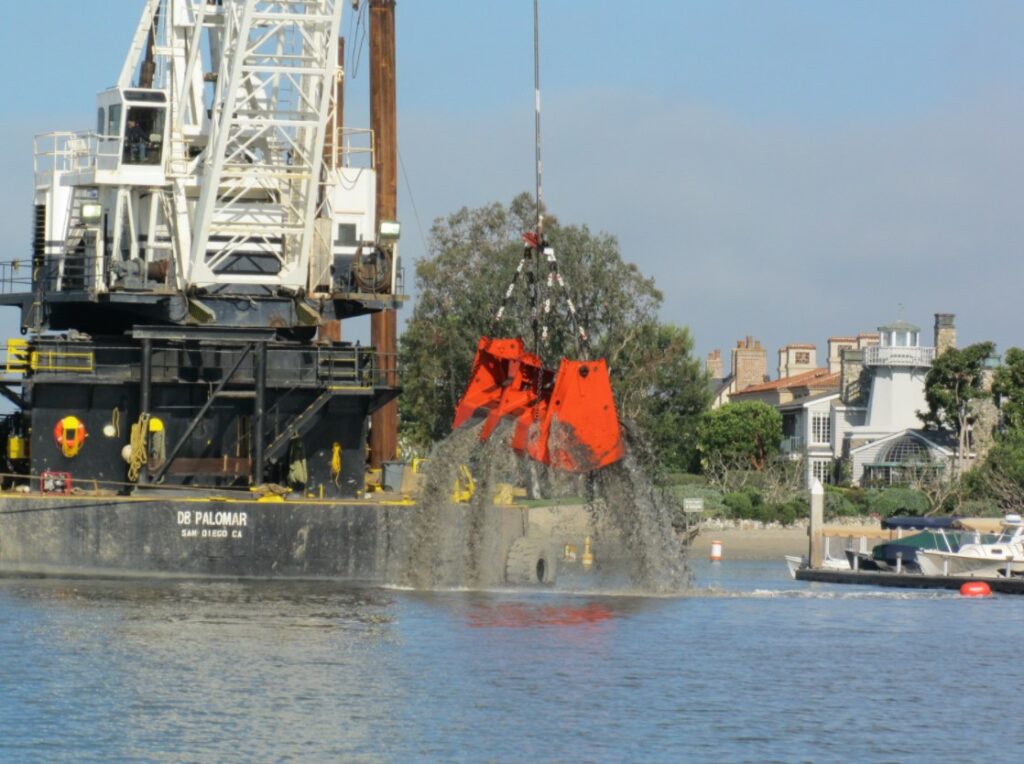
<point x="716" y="551"/>
<point x="975" y="589"/>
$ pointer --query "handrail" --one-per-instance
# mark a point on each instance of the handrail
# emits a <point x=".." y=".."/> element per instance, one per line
<point x="16" y="276"/>
<point x="353" y="143"/>
<point x="64" y="152"/>
<point x="894" y="355"/>
<point x="347" y="367"/>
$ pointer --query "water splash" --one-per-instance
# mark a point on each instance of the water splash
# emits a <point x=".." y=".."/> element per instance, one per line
<point x="628" y="501"/>
<point x="452" y="544"/>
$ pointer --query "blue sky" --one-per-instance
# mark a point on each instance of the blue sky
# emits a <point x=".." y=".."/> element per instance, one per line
<point x="788" y="170"/>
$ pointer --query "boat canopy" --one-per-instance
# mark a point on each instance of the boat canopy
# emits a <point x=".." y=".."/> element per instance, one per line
<point x="918" y="523"/>
<point x="981" y="524"/>
<point x="856" y="531"/>
<point x="909" y="545"/>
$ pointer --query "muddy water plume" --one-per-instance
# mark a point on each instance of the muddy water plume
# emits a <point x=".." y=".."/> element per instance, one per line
<point x="452" y="543"/>
<point x="465" y="544"/>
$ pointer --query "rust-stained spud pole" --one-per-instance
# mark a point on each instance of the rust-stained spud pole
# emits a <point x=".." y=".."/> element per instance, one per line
<point x="383" y="325"/>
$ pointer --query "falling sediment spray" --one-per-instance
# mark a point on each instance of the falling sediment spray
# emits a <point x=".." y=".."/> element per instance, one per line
<point x="453" y="542"/>
<point x="463" y="544"/>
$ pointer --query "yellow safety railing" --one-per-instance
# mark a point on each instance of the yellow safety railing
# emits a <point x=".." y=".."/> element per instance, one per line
<point x="17" y="356"/>
<point x="60" y="360"/>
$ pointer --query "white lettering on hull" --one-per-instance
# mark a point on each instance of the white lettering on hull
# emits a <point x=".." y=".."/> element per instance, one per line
<point x="220" y="519"/>
<point x="212" y="525"/>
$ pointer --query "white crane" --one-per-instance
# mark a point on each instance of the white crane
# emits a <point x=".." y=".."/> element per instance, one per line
<point x="207" y="173"/>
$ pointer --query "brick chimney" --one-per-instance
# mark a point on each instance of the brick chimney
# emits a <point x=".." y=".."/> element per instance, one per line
<point x="945" y="332"/>
<point x="836" y="345"/>
<point x="714" y="365"/>
<point x="850" y="368"/>
<point x="797" y="358"/>
<point x="749" y="363"/>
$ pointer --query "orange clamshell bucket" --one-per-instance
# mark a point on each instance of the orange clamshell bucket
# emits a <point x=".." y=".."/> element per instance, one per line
<point x="567" y="420"/>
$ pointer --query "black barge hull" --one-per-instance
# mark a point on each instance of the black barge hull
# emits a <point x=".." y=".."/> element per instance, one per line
<point x="76" y="536"/>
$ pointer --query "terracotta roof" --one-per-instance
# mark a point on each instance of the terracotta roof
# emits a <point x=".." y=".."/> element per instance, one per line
<point x="815" y="378"/>
<point x="799" y="346"/>
<point x="842" y="339"/>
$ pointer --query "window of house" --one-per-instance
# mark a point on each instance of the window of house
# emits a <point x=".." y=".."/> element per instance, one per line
<point x="821" y="428"/>
<point x="802" y="356"/>
<point x="822" y="470"/>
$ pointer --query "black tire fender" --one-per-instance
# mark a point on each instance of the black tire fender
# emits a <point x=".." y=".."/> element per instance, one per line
<point x="531" y="562"/>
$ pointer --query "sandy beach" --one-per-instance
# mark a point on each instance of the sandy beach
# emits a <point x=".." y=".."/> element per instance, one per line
<point x="742" y="541"/>
<point x="752" y="543"/>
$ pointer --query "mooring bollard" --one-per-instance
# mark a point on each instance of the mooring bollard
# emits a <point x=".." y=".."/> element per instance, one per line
<point x="716" y="551"/>
<point x="814" y="555"/>
<point x="588" y="553"/>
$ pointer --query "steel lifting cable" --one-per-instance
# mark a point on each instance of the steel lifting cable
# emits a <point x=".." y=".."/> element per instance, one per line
<point x="555" y="277"/>
<point x="537" y="242"/>
<point x="537" y="246"/>
<point x="512" y="286"/>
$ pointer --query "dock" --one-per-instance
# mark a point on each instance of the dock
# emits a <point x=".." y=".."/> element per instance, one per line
<point x="905" y="580"/>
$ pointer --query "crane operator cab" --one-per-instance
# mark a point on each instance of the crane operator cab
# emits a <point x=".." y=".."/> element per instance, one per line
<point x="132" y="125"/>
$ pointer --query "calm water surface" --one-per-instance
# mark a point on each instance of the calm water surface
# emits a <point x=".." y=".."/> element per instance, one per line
<point x="750" y="667"/>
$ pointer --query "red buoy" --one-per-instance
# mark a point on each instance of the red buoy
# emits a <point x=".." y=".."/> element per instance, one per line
<point x="975" y="589"/>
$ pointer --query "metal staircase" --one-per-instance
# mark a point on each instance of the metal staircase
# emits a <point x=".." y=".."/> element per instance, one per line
<point x="299" y="426"/>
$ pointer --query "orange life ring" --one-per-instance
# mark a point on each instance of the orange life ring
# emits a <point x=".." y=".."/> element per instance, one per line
<point x="70" y="434"/>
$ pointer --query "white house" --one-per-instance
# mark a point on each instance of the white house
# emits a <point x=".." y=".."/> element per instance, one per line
<point x="807" y="429"/>
<point x="901" y="457"/>
<point x="878" y="430"/>
<point x="883" y="437"/>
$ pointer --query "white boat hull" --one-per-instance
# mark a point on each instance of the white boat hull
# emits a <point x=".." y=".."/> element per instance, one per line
<point x="795" y="562"/>
<point x="969" y="562"/>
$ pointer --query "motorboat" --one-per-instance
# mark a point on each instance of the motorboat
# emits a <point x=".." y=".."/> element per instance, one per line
<point x="984" y="557"/>
<point x="901" y="554"/>
<point x="794" y="562"/>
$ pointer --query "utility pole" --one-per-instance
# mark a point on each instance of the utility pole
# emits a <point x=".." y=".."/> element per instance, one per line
<point x="383" y="325"/>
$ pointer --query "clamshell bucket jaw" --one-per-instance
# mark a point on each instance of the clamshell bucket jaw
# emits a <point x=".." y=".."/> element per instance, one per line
<point x="579" y="430"/>
<point x="504" y="383"/>
<point x="567" y="420"/>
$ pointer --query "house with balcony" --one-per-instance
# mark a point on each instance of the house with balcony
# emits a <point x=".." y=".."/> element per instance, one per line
<point x="807" y="432"/>
<point x="881" y="435"/>
<point x="862" y="408"/>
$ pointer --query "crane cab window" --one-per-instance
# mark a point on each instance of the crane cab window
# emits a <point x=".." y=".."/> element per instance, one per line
<point x="113" y="121"/>
<point x="144" y="134"/>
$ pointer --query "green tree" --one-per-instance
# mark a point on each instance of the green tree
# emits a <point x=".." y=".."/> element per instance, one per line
<point x="737" y="435"/>
<point x="473" y="257"/>
<point x="954" y="385"/>
<point x="667" y="393"/>
<point x="1008" y="387"/>
<point x="1001" y="478"/>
